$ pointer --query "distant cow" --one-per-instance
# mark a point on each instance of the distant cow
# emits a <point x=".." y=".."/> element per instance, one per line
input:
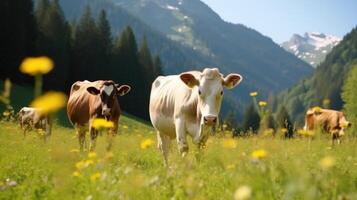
<point x="331" y="121"/>
<point x="187" y="103"/>
<point x="90" y="100"/>
<point x="33" y="118"/>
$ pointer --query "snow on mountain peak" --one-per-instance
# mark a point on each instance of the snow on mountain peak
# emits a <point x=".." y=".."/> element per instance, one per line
<point x="312" y="46"/>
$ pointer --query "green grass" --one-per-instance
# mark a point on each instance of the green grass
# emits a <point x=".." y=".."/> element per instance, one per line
<point x="291" y="170"/>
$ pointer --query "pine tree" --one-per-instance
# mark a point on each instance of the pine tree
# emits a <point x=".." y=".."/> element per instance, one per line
<point x="251" y="119"/>
<point x="85" y="64"/>
<point x="349" y="96"/>
<point x="105" y="44"/>
<point x="17" y="36"/>
<point x="284" y="122"/>
<point x="157" y="66"/>
<point x="54" y="41"/>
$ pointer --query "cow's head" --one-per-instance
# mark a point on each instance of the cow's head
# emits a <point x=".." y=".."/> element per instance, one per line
<point x="343" y="124"/>
<point x="108" y="94"/>
<point x="209" y="87"/>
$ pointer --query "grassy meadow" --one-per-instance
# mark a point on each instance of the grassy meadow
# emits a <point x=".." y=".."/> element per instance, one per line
<point x="281" y="169"/>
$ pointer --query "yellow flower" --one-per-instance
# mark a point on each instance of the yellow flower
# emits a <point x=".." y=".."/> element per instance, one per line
<point x="306" y="133"/>
<point x="316" y="109"/>
<point x="146" y="143"/>
<point x="89" y="162"/>
<point x="327" y="162"/>
<point x="262" y="103"/>
<point x="80" y="165"/>
<point x="94" y="177"/>
<point x="76" y="174"/>
<point x="253" y="94"/>
<point x="50" y="102"/>
<point x="125" y="126"/>
<point x="36" y="65"/>
<point x="102" y="124"/>
<point x="243" y="193"/>
<point x="92" y="155"/>
<point x="229" y="143"/>
<point x="6" y="113"/>
<point x="284" y="130"/>
<point x="74" y="150"/>
<point x="259" y="154"/>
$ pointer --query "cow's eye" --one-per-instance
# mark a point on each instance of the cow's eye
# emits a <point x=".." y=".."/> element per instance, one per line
<point x="199" y="92"/>
<point x="221" y="92"/>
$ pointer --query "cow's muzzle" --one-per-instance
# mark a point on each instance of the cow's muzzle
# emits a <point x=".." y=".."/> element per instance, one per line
<point x="106" y="112"/>
<point x="210" y="120"/>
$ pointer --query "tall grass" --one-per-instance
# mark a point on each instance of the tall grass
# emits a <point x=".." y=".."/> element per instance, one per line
<point x="292" y="169"/>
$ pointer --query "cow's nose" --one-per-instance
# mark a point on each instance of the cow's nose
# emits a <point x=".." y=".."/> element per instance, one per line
<point x="210" y="120"/>
<point x="106" y="112"/>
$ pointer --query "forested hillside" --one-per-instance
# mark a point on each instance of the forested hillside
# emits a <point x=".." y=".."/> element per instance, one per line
<point x="324" y="87"/>
<point x="81" y="50"/>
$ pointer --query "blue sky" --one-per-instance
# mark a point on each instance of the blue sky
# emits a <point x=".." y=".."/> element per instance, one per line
<point x="279" y="19"/>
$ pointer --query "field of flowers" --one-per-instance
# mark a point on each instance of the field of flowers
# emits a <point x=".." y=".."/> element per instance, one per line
<point x="240" y="168"/>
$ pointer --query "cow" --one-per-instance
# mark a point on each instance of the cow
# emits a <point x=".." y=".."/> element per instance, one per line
<point x="331" y="121"/>
<point x="91" y="100"/>
<point x="187" y="103"/>
<point x="30" y="118"/>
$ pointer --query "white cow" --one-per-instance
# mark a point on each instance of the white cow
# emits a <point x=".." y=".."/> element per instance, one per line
<point x="32" y="118"/>
<point x="187" y="103"/>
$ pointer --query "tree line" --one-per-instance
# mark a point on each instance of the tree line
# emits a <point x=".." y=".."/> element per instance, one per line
<point x="84" y="49"/>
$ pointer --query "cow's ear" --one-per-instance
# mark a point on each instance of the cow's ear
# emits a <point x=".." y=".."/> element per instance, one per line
<point x="93" y="90"/>
<point x="189" y="79"/>
<point x="232" y="80"/>
<point x="123" y="89"/>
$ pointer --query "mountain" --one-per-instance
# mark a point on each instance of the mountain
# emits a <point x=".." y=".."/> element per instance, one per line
<point x="323" y="87"/>
<point x="188" y="35"/>
<point x="312" y="47"/>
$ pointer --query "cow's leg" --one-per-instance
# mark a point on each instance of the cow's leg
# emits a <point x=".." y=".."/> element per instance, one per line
<point x="164" y="144"/>
<point x="181" y="137"/>
<point x="93" y="138"/>
<point x="81" y="138"/>
<point x="110" y="138"/>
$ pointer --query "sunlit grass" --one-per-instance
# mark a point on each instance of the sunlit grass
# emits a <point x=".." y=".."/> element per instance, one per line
<point x="301" y="168"/>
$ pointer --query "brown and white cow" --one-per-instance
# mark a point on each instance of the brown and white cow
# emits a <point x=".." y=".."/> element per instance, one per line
<point x="33" y="118"/>
<point x="91" y="100"/>
<point x="187" y="103"/>
<point x="331" y="121"/>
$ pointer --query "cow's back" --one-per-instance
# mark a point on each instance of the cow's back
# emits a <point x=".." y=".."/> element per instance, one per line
<point x="168" y="98"/>
<point x="78" y="106"/>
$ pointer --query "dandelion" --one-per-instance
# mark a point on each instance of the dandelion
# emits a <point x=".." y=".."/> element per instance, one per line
<point x="253" y="94"/>
<point x="243" y="193"/>
<point x="92" y="155"/>
<point x="89" y="162"/>
<point x="6" y="113"/>
<point x="316" y="109"/>
<point x="225" y="126"/>
<point x="283" y="130"/>
<point x="262" y="103"/>
<point x="76" y="174"/>
<point x="305" y="133"/>
<point x="36" y="65"/>
<point x="80" y="165"/>
<point x="50" y="102"/>
<point x="327" y="162"/>
<point x="94" y="177"/>
<point x="146" y="143"/>
<point x="259" y="154"/>
<point x="100" y="123"/>
<point x="229" y="143"/>
<point x="125" y="127"/>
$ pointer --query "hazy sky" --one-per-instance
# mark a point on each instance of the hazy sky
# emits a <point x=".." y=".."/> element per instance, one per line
<point x="279" y="19"/>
